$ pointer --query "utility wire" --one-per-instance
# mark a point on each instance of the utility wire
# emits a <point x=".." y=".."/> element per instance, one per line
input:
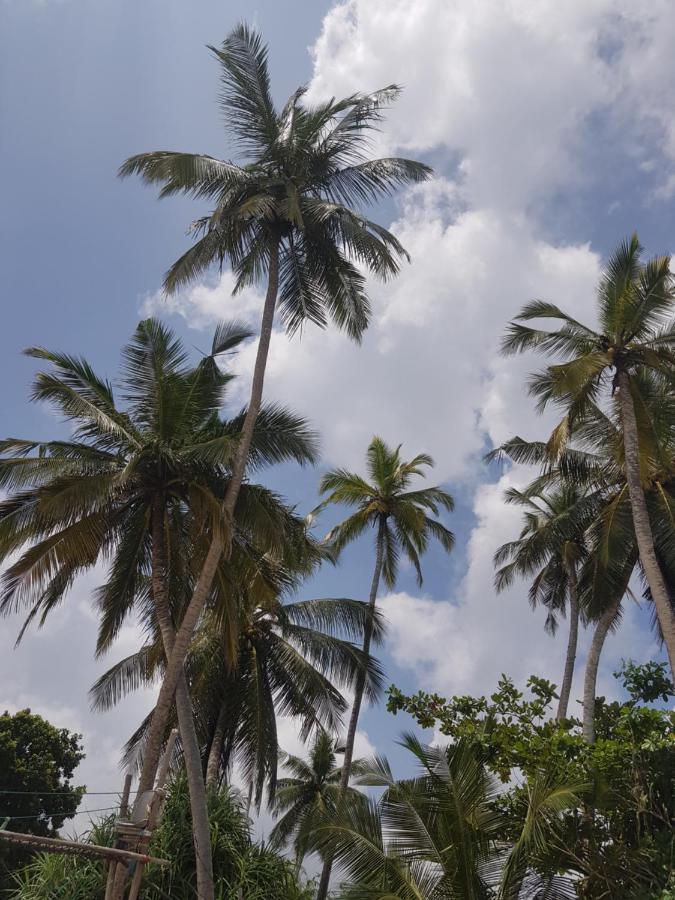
<point x="64" y="793"/>
<point x="51" y="815"/>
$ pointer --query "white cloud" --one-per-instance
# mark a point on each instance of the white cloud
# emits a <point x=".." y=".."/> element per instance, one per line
<point x="428" y="373"/>
<point x="511" y="88"/>
<point x="203" y="304"/>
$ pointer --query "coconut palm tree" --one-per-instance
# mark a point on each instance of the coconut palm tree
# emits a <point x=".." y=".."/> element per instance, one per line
<point x="402" y="525"/>
<point x="112" y="491"/>
<point x="284" y="213"/>
<point x="550" y="550"/>
<point x="292" y="658"/>
<point x="591" y="460"/>
<point x="636" y="333"/>
<point x="309" y="794"/>
<point x="441" y="834"/>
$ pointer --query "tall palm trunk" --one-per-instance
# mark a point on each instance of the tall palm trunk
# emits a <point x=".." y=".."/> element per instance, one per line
<point x="186" y="724"/>
<point x="592" y="662"/>
<point x="220" y="543"/>
<point x="216" y="749"/>
<point x="358" y="697"/>
<point x="572" y="640"/>
<point x="641" y="523"/>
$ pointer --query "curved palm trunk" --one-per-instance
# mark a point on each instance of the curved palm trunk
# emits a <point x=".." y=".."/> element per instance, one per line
<point x="572" y="640"/>
<point x="219" y="543"/>
<point x="592" y="663"/>
<point x="358" y="698"/>
<point x="186" y="724"/>
<point x="216" y="750"/>
<point x="641" y="523"/>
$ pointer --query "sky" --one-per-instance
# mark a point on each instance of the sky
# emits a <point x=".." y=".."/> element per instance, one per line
<point x="551" y="133"/>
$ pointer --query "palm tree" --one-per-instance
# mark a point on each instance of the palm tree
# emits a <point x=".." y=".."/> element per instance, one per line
<point x="636" y="334"/>
<point x="440" y="835"/>
<point x="286" y="213"/>
<point x="402" y="524"/>
<point x="113" y="490"/>
<point x="550" y="549"/>
<point x="309" y="794"/>
<point x="591" y="460"/>
<point x="291" y="659"/>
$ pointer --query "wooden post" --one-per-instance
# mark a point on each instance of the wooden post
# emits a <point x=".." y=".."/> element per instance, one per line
<point x="124" y="812"/>
<point x="154" y="811"/>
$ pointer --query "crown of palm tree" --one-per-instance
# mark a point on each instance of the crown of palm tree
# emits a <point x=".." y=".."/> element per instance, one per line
<point x="89" y="498"/>
<point x="590" y="462"/>
<point x="307" y="167"/>
<point x="549" y="547"/>
<point x="636" y="304"/>
<point x="384" y="500"/>
<point x="310" y="792"/>
<point x="291" y="659"/>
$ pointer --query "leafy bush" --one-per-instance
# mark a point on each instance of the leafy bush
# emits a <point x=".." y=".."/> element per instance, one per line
<point x="238" y="863"/>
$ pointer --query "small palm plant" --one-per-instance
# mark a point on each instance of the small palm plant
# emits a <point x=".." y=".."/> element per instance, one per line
<point x="309" y="794"/>
<point x="441" y="835"/>
<point x="286" y="214"/>
<point x="402" y="523"/>
<point x="636" y="334"/>
<point x="550" y="550"/>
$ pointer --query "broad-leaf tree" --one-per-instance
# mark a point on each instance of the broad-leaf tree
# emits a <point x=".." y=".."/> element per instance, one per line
<point x="402" y="520"/>
<point x="635" y="334"/>
<point x="285" y="212"/>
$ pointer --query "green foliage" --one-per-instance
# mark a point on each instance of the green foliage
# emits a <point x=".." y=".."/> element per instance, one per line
<point x="404" y="518"/>
<point x="37" y="762"/>
<point x="442" y="834"/>
<point x="622" y="840"/>
<point x="646" y="683"/>
<point x="295" y="197"/>
<point x="240" y="866"/>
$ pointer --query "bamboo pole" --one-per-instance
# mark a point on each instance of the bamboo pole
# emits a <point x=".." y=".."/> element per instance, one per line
<point x="76" y="848"/>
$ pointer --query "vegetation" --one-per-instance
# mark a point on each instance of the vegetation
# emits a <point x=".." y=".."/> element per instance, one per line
<point x="37" y="764"/>
<point x="157" y="485"/>
<point x="241" y="867"/>
<point x="620" y="841"/>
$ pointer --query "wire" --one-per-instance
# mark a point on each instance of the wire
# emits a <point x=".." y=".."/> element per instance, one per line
<point x="63" y="793"/>
<point x="61" y="813"/>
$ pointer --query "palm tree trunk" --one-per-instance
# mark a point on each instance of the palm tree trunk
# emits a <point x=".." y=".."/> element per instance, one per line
<point x="592" y="662"/>
<point x="186" y="724"/>
<point x="219" y="544"/>
<point x="358" y="697"/>
<point x="216" y="750"/>
<point x="572" y="639"/>
<point x="641" y="523"/>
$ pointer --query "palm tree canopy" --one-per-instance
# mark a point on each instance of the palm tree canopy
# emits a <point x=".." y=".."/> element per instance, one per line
<point x="549" y="548"/>
<point x="75" y="502"/>
<point x="384" y="498"/>
<point x="590" y="462"/>
<point x="305" y="172"/>
<point x="291" y="660"/>
<point x="309" y="792"/>
<point x="635" y="306"/>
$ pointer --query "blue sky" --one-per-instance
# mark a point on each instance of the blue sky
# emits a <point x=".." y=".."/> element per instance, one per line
<point x="550" y="132"/>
